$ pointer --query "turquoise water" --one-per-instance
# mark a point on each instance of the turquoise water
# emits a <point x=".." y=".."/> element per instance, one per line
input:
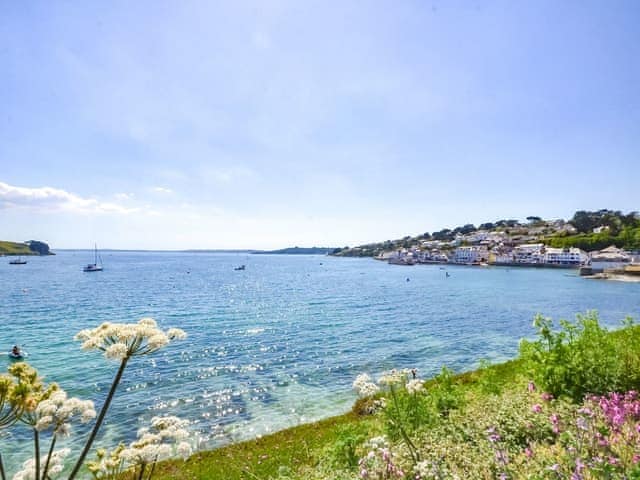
<point x="277" y="344"/>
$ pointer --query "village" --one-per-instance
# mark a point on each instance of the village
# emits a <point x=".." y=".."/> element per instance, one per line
<point x="498" y="248"/>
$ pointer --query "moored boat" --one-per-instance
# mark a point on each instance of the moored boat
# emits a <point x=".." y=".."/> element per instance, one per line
<point x="94" y="267"/>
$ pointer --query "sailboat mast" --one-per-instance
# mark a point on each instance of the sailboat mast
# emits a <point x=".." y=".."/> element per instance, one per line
<point x="95" y="260"/>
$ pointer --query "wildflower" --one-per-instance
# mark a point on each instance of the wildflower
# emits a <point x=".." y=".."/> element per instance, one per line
<point x="582" y="424"/>
<point x="547" y="397"/>
<point x="28" y="471"/>
<point x="393" y="377"/>
<point x="121" y="341"/>
<point x="184" y="450"/>
<point x="364" y="386"/>
<point x="415" y="386"/>
<point x="158" y="441"/>
<point x="531" y="387"/>
<point x="378" y="442"/>
<point x="555" y="422"/>
<point x="537" y="408"/>
<point x="492" y="435"/>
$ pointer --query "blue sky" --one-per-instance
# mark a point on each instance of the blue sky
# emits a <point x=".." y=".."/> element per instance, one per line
<point x="171" y="125"/>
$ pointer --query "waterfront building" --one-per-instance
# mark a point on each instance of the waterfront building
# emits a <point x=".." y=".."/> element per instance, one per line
<point x="610" y="257"/>
<point x="471" y="254"/>
<point x="501" y="256"/>
<point x="565" y="256"/>
<point x="529" y="253"/>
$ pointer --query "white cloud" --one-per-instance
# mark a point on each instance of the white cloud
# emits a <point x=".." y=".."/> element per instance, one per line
<point x="162" y="190"/>
<point x="123" y="196"/>
<point x="54" y="199"/>
<point x="225" y="175"/>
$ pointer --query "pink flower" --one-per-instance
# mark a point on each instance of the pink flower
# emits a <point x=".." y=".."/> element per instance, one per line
<point x="537" y="408"/>
<point x="547" y="397"/>
<point x="531" y="387"/>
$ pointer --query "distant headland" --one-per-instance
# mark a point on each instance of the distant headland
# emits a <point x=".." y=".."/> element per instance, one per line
<point x="298" y="251"/>
<point x="31" y="247"/>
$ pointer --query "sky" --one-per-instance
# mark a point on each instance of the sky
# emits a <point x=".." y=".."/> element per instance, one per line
<point x="267" y="124"/>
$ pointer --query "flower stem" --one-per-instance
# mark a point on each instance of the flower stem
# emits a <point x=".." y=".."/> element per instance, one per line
<point x="36" y="441"/>
<point x="142" y="468"/>
<point x="2" y="475"/>
<point x="412" y="448"/>
<point x="46" y="464"/>
<point x="100" y="419"/>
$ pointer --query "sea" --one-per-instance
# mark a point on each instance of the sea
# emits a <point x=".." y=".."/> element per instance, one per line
<point x="276" y="344"/>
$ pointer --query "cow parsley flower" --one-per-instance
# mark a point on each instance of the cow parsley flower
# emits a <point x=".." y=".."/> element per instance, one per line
<point x="120" y="341"/>
<point x="58" y="411"/>
<point x="166" y="436"/>
<point x="393" y="377"/>
<point x="415" y="386"/>
<point x="364" y="386"/>
<point x="56" y="465"/>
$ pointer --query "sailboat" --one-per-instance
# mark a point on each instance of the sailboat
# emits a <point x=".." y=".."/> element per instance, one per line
<point x="19" y="261"/>
<point x="94" y="267"/>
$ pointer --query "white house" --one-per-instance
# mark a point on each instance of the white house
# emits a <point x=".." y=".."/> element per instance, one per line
<point x="565" y="256"/>
<point x="471" y="254"/>
<point x="610" y="257"/>
<point x="529" y="253"/>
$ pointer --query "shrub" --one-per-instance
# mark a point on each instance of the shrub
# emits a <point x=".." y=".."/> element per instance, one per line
<point x="583" y="357"/>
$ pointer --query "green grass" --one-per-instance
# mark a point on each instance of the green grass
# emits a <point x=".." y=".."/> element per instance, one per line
<point x="13" y="248"/>
<point x="325" y="449"/>
<point x="293" y="448"/>
<point x="305" y="447"/>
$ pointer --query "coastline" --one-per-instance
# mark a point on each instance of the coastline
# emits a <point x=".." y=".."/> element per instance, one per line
<point x="616" y="277"/>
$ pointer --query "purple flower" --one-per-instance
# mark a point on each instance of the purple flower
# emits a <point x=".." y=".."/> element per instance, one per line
<point x="493" y="435"/>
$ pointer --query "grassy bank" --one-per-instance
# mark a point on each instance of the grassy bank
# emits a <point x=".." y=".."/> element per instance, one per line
<point x="14" y="248"/>
<point x="519" y="419"/>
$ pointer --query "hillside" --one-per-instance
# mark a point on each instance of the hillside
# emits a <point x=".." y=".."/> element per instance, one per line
<point x="298" y="251"/>
<point x="32" y="247"/>
<point x="586" y="230"/>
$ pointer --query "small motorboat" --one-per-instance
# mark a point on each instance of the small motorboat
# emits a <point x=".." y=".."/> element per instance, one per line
<point x="21" y="355"/>
<point x="241" y="267"/>
<point x="18" y="261"/>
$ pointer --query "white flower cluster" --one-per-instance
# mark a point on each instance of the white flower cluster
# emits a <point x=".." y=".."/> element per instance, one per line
<point x="364" y="386"/>
<point x="415" y="386"/>
<point x="377" y="442"/>
<point x="108" y="465"/>
<point x="57" y="411"/>
<point x="56" y="463"/>
<point x="394" y="377"/>
<point x="428" y="470"/>
<point x="159" y="441"/>
<point x="123" y="340"/>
